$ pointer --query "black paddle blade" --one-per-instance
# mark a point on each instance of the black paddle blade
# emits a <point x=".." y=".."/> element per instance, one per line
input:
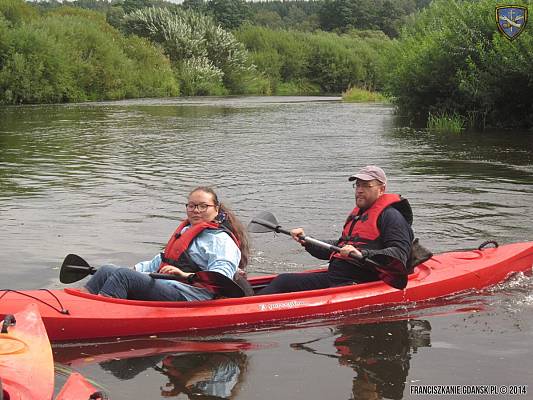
<point x="262" y="223"/>
<point x="215" y="282"/>
<point x="218" y="284"/>
<point x="74" y="268"/>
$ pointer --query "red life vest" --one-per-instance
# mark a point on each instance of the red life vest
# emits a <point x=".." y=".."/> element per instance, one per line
<point x="175" y="252"/>
<point x="361" y="228"/>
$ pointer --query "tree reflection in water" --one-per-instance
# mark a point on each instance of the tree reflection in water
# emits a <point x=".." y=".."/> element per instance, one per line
<point x="379" y="353"/>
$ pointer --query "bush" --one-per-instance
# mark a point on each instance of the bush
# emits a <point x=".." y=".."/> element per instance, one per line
<point x="446" y="65"/>
<point x="358" y="95"/>
<point x="298" y="88"/>
<point x="200" y="77"/>
<point x="74" y="55"/>
<point x="192" y="40"/>
<point x="17" y="11"/>
<point x="314" y="62"/>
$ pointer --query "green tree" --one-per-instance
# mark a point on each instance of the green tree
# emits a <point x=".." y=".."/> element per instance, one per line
<point x="132" y="5"/>
<point x="444" y="64"/>
<point x="199" y="6"/>
<point x="384" y="15"/>
<point x="230" y="14"/>
<point x="270" y="19"/>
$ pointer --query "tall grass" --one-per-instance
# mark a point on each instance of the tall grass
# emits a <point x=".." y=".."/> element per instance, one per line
<point x="444" y="123"/>
<point x="358" y="95"/>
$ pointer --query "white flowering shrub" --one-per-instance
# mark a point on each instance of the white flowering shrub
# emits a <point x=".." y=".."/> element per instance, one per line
<point x="198" y="48"/>
<point x="200" y="77"/>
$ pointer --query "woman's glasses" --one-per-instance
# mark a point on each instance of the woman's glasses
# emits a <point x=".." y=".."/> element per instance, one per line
<point x="201" y="207"/>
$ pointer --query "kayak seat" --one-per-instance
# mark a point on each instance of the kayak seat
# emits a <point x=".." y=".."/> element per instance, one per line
<point x="418" y="255"/>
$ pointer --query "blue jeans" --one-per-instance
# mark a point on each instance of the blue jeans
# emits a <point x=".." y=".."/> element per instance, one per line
<point x="126" y="283"/>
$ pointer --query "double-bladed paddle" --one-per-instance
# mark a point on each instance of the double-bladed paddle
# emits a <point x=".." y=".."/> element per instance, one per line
<point x="75" y="268"/>
<point x="267" y="222"/>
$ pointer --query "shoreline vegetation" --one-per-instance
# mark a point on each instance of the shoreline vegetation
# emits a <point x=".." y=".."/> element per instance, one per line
<point x="359" y="95"/>
<point x="412" y="54"/>
<point x="442" y="124"/>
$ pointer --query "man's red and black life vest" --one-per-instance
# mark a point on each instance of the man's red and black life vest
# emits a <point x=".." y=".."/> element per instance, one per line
<point x="361" y="230"/>
<point x="175" y="252"/>
<point x="361" y="227"/>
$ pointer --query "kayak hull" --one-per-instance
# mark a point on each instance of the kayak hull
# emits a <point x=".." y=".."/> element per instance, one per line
<point x="26" y="361"/>
<point x="72" y="315"/>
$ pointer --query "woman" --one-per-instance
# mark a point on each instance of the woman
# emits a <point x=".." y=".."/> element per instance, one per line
<point x="210" y="239"/>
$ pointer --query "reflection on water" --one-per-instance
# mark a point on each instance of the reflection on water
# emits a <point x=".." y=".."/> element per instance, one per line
<point x="199" y="369"/>
<point x="198" y="375"/>
<point x="203" y="375"/>
<point x="380" y="355"/>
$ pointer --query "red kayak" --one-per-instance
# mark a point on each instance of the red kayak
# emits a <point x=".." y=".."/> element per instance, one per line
<point x="71" y="315"/>
<point x="26" y="362"/>
<point x="78" y="388"/>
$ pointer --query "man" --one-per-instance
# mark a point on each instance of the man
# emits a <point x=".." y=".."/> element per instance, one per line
<point x="375" y="242"/>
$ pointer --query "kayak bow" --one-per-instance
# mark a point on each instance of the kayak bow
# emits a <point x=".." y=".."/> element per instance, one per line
<point x="26" y="362"/>
<point x="78" y="388"/>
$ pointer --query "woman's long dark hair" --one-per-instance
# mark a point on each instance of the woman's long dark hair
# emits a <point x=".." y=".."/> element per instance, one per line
<point x="236" y="226"/>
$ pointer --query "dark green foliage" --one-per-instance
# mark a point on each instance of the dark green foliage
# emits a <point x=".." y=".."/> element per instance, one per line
<point x="296" y="15"/>
<point x="336" y="64"/>
<point x="384" y="15"/>
<point x="72" y="54"/>
<point x="335" y="15"/>
<point x="230" y="14"/>
<point x="318" y="62"/>
<point x="16" y="11"/>
<point x="132" y="5"/>
<point x="450" y="59"/>
<point x="199" y="6"/>
<point x="448" y="65"/>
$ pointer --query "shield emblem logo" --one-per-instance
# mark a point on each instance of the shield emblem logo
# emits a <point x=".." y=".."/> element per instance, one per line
<point x="511" y="20"/>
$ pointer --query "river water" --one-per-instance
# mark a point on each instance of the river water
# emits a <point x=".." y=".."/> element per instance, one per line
<point x="108" y="181"/>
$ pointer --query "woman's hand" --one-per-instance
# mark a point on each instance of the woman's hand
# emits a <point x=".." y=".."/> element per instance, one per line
<point x="171" y="270"/>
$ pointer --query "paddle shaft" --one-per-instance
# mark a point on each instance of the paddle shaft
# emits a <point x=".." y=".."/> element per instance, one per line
<point x="305" y="238"/>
